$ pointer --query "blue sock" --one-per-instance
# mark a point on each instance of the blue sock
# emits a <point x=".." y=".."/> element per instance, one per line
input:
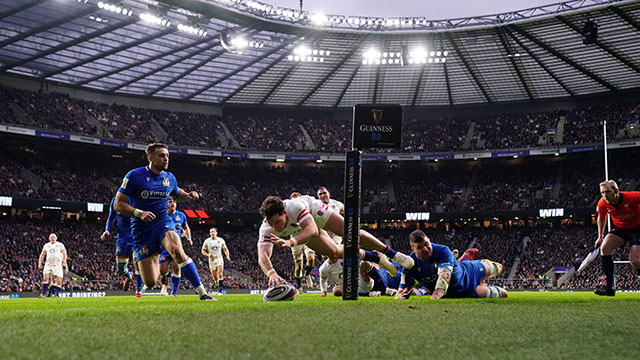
<point x="221" y="282"/>
<point x="57" y="291"/>
<point x="188" y="268"/>
<point x="122" y="269"/>
<point x="371" y="256"/>
<point x="175" y="283"/>
<point x="138" y="282"/>
<point x="389" y="252"/>
<point x="45" y="287"/>
<point x="373" y="273"/>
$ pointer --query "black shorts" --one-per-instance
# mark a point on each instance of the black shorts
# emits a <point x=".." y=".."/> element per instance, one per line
<point x="631" y="236"/>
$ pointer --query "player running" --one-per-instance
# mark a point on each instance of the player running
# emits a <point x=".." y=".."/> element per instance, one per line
<point x="124" y="246"/>
<point x="182" y="227"/>
<point x="56" y="260"/>
<point x="307" y="220"/>
<point x="149" y="189"/>
<point x="212" y="248"/>
<point x="437" y="269"/>
<point x="623" y="207"/>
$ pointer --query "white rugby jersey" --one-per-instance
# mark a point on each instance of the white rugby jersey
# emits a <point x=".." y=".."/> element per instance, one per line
<point x="297" y="211"/>
<point x="336" y="206"/>
<point x="214" y="246"/>
<point x="54" y="253"/>
<point x="330" y="271"/>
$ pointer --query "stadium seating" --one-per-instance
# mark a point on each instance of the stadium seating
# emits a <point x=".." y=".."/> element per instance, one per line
<point x="315" y="134"/>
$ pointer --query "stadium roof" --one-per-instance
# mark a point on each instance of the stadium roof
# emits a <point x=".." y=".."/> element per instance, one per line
<point x="518" y="56"/>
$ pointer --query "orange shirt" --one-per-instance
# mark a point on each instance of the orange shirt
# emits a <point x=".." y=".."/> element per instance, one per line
<point x="625" y="214"/>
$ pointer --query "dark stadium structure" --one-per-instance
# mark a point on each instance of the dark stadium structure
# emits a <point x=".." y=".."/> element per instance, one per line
<point x="526" y="55"/>
<point x="502" y="144"/>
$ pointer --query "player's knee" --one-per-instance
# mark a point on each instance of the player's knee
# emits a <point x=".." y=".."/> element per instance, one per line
<point x="635" y="262"/>
<point x="495" y="292"/>
<point x="493" y="268"/>
<point x="150" y="283"/>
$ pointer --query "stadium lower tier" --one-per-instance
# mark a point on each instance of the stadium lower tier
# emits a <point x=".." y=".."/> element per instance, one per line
<point x="533" y="257"/>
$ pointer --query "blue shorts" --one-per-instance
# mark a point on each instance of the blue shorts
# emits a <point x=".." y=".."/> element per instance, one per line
<point x="124" y="244"/>
<point x="463" y="284"/>
<point x="149" y="241"/>
<point x="165" y="256"/>
<point x="631" y="236"/>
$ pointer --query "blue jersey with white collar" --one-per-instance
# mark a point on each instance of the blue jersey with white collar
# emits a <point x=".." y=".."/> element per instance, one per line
<point x="465" y="276"/>
<point x="148" y="191"/>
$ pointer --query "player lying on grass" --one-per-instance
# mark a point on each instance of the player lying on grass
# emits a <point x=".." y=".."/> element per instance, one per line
<point x="307" y="220"/>
<point x="437" y="269"/>
<point x="374" y="281"/>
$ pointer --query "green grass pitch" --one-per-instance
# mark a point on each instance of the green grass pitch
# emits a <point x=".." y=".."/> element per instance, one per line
<point x="524" y="326"/>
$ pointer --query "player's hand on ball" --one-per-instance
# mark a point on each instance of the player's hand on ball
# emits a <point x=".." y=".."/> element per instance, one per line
<point x="275" y="280"/>
<point x="147" y="216"/>
<point x="104" y="235"/>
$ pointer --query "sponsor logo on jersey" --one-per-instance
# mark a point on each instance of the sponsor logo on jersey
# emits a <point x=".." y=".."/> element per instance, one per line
<point x="144" y="250"/>
<point x="154" y="195"/>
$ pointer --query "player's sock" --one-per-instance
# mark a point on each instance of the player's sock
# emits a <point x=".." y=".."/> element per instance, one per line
<point x="307" y="270"/>
<point x="45" y="287"/>
<point x="369" y="255"/>
<point x="175" y="283"/>
<point x="607" y="268"/>
<point x="215" y="283"/>
<point x="389" y="252"/>
<point x="298" y="282"/>
<point x="121" y="265"/>
<point x="221" y="282"/>
<point x="58" y="289"/>
<point x="164" y="279"/>
<point x="138" y="281"/>
<point x="50" y="292"/>
<point x="188" y="268"/>
<point x="53" y="289"/>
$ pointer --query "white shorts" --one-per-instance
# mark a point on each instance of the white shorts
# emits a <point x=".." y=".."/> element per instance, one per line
<point x="298" y="250"/>
<point x="214" y="263"/>
<point x="54" y="270"/>
<point x="365" y="286"/>
<point x="320" y="212"/>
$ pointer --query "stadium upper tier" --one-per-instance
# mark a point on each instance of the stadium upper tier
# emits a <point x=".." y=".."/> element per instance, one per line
<point x="41" y="169"/>
<point x="246" y="52"/>
<point x="313" y="132"/>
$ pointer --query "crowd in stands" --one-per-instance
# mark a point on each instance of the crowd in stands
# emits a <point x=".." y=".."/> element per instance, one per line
<point x="284" y="133"/>
<point x="455" y="186"/>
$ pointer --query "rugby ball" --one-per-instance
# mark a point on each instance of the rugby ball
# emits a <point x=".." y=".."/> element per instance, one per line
<point x="280" y="292"/>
